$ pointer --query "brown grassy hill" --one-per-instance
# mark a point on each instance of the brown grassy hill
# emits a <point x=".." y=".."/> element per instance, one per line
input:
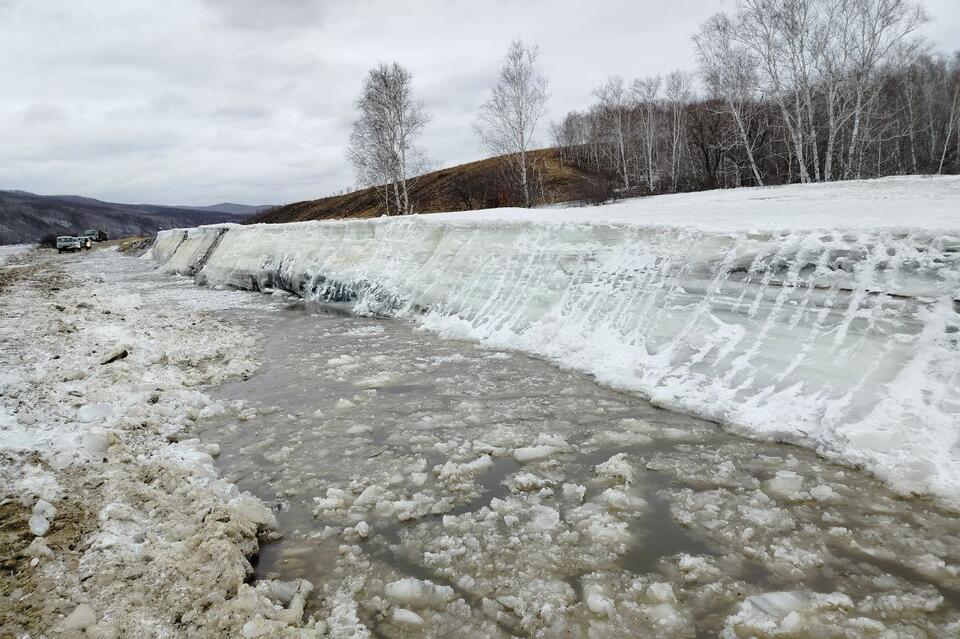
<point x="477" y="185"/>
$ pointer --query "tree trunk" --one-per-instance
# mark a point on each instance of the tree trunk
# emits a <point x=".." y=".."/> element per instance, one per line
<point x="746" y="142"/>
<point x="797" y="139"/>
<point x="852" y="152"/>
<point x="946" y="141"/>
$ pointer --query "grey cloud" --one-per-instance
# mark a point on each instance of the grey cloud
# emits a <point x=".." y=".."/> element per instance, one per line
<point x="43" y="114"/>
<point x="242" y="112"/>
<point x="251" y="100"/>
<point x="257" y="15"/>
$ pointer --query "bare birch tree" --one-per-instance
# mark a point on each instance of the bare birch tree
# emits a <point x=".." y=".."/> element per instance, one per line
<point x="678" y="91"/>
<point x="507" y="123"/>
<point x="614" y="113"/>
<point x="383" y="144"/>
<point x="645" y="92"/>
<point x="954" y="117"/>
<point x="729" y="73"/>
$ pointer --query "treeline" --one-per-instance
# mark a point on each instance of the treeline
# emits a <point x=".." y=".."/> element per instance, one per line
<point x="796" y="91"/>
<point x="792" y="91"/>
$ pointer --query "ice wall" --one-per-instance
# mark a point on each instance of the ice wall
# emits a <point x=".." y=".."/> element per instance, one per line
<point x="165" y="245"/>
<point x="844" y="339"/>
<point x="192" y="250"/>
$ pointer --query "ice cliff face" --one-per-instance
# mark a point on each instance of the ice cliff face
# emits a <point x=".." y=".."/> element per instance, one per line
<point x="846" y="339"/>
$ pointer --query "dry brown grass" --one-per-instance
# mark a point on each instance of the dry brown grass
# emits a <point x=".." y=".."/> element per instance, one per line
<point x="476" y="185"/>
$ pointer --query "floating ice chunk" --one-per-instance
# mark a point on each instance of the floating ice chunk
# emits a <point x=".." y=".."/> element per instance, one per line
<point x="617" y="468"/>
<point x="528" y="481"/>
<point x="418" y="479"/>
<point x="617" y="499"/>
<point x="95" y="412"/>
<point x="417" y="593"/>
<point x="787" y="614"/>
<point x="660" y="592"/>
<point x="548" y="439"/>
<point x="543" y="518"/>
<point x="375" y="381"/>
<point x="358" y="429"/>
<point x="697" y="569"/>
<point x="343" y="404"/>
<point x="533" y="453"/>
<point x="212" y="410"/>
<point x="597" y="601"/>
<point x="404" y="617"/>
<point x="599" y="526"/>
<point x="366" y="331"/>
<point x="663" y="614"/>
<point x="363" y="529"/>
<point x="823" y="493"/>
<point x="726" y="469"/>
<point x="335" y="498"/>
<point x="451" y="470"/>
<point x="574" y="492"/>
<point x="932" y="565"/>
<point x="785" y="483"/>
<point x="369" y="496"/>
<point x="776" y="604"/>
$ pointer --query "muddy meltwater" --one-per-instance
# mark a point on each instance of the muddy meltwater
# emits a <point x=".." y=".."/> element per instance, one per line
<point x="431" y="487"/>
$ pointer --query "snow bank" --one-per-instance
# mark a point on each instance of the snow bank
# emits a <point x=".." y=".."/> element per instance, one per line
<point x="822" y="314"/>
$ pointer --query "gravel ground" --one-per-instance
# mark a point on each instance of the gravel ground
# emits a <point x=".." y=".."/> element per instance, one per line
<point x="114" y="520"/>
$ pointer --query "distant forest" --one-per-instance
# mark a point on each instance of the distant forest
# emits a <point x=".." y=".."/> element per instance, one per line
<point x="796" y="91"/>
<point x="786" y="91"/>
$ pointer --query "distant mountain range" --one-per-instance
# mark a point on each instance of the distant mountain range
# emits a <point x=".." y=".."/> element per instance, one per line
<point x="27" y="217"/>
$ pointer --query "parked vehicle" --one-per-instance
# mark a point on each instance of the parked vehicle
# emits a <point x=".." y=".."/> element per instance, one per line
<point x="68" y="243"/>
<point x="96" y="235"/>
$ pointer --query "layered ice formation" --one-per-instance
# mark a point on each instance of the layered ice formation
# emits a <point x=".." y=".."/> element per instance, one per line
<point x="826" y="315"/>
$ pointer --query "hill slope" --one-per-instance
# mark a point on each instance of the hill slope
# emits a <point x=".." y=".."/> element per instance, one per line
<point x="476" y="185"/>
<point x="231" y="207"/>
<point x="27" y="217"/>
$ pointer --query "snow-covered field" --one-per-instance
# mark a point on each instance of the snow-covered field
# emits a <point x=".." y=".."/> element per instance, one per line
<point x="824" y="315"/>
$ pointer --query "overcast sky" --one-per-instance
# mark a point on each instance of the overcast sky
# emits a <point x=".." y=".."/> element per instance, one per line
<point x="202" y="101"/>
